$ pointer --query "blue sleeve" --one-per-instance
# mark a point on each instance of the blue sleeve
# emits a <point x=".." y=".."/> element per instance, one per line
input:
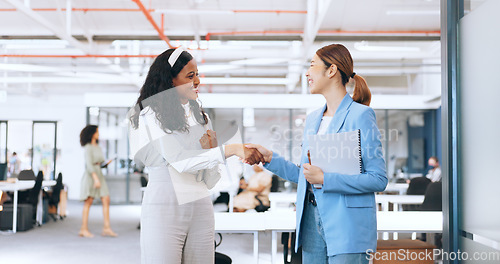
<point x="373" y="178"/>
<point x="283" y="168"/>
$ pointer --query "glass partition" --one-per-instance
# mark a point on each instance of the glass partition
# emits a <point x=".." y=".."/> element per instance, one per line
<point x="44" y="148"/>
<point x="19" y="136"/>
<point x="3" y="141"/>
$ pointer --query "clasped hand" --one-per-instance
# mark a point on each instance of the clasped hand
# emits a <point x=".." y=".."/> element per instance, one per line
<point x="249" y="153"/>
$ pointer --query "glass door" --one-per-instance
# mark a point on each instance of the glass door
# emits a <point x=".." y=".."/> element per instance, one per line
<point x="44" y="148"/>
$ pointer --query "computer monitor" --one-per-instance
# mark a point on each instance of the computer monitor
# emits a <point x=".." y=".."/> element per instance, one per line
<point x="3" y="171"/>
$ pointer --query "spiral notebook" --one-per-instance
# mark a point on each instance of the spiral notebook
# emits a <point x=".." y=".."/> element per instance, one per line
<point x="337" y="152"/>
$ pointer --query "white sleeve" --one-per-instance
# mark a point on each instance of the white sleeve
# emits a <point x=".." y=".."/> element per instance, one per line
<point x="190" y="161"/>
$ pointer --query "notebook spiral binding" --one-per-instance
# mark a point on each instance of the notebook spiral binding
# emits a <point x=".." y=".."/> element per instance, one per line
<point x="359" y="145"/>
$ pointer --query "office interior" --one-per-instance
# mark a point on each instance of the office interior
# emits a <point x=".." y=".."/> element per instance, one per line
<point x="430" y="66"/>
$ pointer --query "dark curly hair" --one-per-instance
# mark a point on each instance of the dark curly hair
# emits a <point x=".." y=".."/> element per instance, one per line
<point x="87" y="134"/>
<point x="166" y="106"/>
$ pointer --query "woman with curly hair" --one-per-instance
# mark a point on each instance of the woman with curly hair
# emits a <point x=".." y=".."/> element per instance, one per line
<point x="93" y="184"/>
<point x="172" y="137"/>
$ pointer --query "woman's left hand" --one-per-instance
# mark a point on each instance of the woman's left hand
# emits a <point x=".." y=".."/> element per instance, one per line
<point x="313" y="174"/>
<point x="209" y="140"/>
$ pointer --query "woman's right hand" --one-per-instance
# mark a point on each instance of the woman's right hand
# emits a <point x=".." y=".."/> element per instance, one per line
<point x="97" y="183"/>
<point x="267" y="154"/>
<point x="249" y="155"/>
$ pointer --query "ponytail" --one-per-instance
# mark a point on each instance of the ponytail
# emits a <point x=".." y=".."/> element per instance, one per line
<point x="361" y="93"/>
<point x="339" y="55"/>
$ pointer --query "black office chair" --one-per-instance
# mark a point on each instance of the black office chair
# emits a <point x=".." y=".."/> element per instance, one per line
<point x="219" y="257"/>
<point x="275" y="183"/>
<point x="144" y="181"/>
<point x="55" y="197"/>
<point x="417" y="186"/>
<point x="3" y="171"/>
<point x="289" y="254"/>
<point x="23" y="197"/>
<point x="33" y="194"/>
<point x="433" y="201"/>
<point x="26" y="175"/>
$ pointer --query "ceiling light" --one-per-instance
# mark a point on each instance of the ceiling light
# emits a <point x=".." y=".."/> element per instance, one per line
<point x="255" y="81"/>
<point x="412" y="12"/>
<point x="27" y="68"/>
<point x="365" y="46"/>
<point x="259" y="61"/>
<point x="193" y="12"/>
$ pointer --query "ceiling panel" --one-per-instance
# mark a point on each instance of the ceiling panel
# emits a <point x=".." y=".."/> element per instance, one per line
<point x="243" y="58"/>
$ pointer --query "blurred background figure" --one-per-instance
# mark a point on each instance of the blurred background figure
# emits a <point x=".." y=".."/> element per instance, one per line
<point x="93" y="183"/>
<point x="14" y="163"/>
<point x="255" y="194"/>
<point x="435" y="173"/>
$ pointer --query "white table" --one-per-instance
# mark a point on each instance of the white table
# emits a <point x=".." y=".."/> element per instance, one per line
<point x="403" y="222"/>
<point x="281" y="197"/>
<point x="397" y="187"/>
<point x="397" y="200"/>
<point x="284" y="221"/>
<point x="20" y="186"/>
<point x="242" y="223"/>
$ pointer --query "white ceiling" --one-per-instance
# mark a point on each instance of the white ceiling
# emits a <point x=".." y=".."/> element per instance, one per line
<point x="393" y="42"/>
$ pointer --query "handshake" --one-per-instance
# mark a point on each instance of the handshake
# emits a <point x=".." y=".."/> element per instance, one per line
<point x="248" y="153"/>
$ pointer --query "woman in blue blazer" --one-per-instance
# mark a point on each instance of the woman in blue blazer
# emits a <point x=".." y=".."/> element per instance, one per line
<point x="336" y="222"/>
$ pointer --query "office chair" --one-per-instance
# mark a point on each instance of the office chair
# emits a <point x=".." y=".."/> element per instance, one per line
<point x="3" y="171"/>
<point x="30" y="197"/>
<point x="144" y="181"/>
<point x="23" y="197"/>
<point x="26" y="175"/>
<point x="275" y="183"/>
<point x="433" y="201"/>
<point x="55" y="197"/>
<point x="417" y="186"/>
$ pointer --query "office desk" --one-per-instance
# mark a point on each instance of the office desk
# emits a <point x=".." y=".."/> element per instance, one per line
<point x="402" y="222"/>
<point x="242" y="223"/>
<point x="397" y="200"/>
<point x="284" y="221"/>
<point x="20" y="186"/>
<point x="397" y="187"/>
<point x="281" y="197"/>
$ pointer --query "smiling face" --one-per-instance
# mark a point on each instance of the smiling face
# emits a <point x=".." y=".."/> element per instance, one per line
<point x="187" y="81"/>
<point x="318" y="75"/>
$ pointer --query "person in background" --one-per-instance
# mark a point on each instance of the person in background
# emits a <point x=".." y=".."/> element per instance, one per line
<point x="93" y="184"/>
<point x="258" y="188"/>
<point x="14" y="163"/>
<point x="435" y="173"/>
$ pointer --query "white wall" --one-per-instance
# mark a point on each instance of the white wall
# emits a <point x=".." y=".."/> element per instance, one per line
<point x="69" y="111"/>
<point x="479" y="114"/>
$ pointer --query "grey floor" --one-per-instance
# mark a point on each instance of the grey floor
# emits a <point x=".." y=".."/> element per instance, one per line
<point x="58" y="242"/>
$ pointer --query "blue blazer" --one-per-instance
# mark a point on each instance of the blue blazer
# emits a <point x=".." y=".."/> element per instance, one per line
<point x="346" y="203"/>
